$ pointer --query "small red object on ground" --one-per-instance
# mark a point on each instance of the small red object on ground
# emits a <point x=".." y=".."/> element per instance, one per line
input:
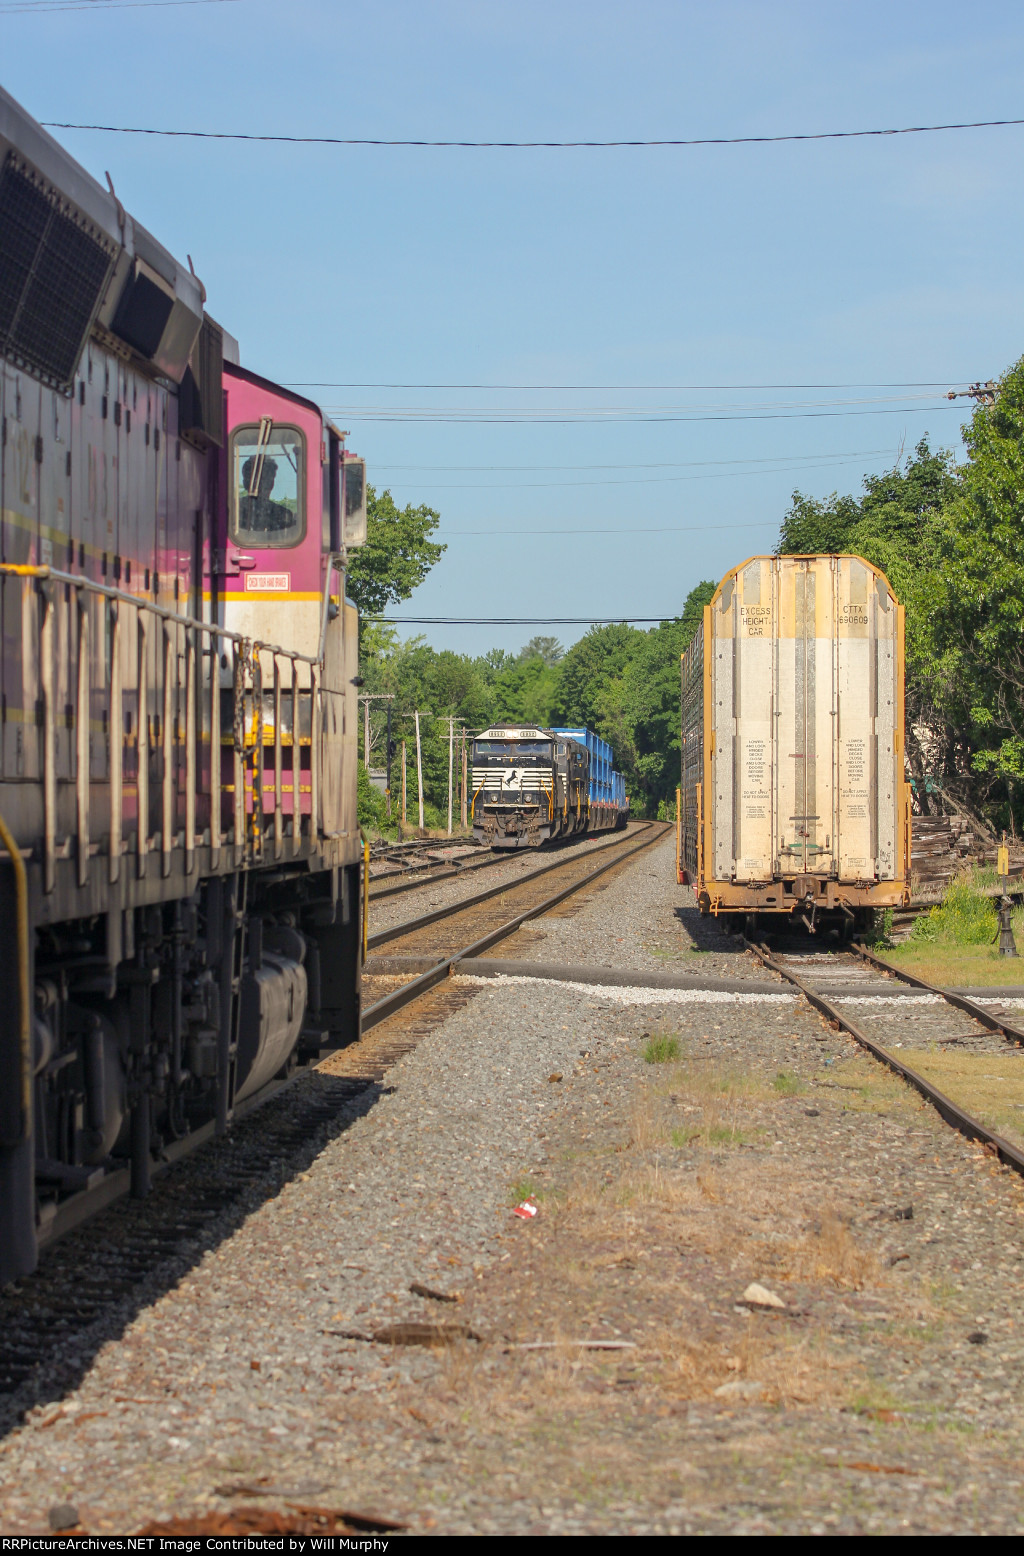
<point x="526" y="1211"/>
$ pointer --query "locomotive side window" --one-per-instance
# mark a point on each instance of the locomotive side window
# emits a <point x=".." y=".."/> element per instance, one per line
<point x="268" y="485"/>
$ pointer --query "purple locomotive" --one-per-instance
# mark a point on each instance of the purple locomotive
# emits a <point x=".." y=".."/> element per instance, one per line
<point x="179" y="846"/>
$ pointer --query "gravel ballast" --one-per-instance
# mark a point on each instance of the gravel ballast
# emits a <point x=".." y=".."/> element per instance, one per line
<point x="766" y="1149"/>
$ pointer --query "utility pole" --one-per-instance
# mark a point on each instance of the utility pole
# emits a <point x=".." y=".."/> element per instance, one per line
<point x="403" y="819"/>
<point x="366" y="698"/>
<point x="451" y="755"/>
<point x="985" y="394"/>
<point x="390" y="754"/>
<point x="419" y="766"/>
<point x="463" y="814"/>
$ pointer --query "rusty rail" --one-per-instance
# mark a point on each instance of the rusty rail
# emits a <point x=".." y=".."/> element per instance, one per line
<point x="957" y="1117"/>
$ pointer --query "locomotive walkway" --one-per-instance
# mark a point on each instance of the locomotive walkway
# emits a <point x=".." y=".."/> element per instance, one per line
<point x="260" y="1370"/>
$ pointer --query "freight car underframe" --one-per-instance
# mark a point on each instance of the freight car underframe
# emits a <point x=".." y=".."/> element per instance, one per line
<point x="161" y="980"/>
<point x="817" y="902"/>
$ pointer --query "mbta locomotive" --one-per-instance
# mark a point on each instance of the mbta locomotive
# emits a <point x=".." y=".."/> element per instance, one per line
<point x="793" y="800"/>
<point x="179" y="876"/>
<point x="533" y="785"/>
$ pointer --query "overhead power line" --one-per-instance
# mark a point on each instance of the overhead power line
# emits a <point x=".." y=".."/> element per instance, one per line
<point x="520" y="621"/>
<point x="528" y="419"/>
<point x="642" y="480"/>
<point x="48" y="7"/>
<point x="534" y="145"/>
<point x="931" y="383"/>
<point x="625" y="529"/>
<point x="661" y="464"/>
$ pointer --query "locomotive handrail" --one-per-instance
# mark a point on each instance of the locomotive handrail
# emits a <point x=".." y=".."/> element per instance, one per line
<point x="43" y="571"/>
<point x="246" y="735"/>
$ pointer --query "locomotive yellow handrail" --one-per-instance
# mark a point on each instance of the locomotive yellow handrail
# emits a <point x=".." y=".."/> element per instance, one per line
<point x="25" y="1014"/>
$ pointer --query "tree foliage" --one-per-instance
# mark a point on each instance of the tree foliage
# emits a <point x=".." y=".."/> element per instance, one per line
<point x="621" y="682"/>
<point x="951" y="541"/>
<point x="398" y="553"/>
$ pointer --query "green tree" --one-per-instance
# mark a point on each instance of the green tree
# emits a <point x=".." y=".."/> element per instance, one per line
<point x="977" y="598"/>
<point x="598" y="658"/>
<point x="398" y="553"/>
<point x="525" y="690"/>
<point x="898" y="525"/>
<point x="548" y="649"/>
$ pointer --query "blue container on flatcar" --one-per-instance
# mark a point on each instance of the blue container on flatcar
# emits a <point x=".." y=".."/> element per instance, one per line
<point x="608" y="803"/>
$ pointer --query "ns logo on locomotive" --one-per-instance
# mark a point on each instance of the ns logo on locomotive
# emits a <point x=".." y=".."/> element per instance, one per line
<point x="179" y="875"/>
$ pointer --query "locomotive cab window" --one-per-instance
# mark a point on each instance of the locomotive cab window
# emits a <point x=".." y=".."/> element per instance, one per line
<point x="268" y="485"/>
<point x="511" y="750"/>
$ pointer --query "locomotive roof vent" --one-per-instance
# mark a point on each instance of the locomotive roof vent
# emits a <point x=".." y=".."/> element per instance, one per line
<point x="54" y="265"/>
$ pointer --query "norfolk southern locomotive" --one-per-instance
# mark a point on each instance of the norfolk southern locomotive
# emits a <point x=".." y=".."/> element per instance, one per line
<point x="179" y="881"/>
<point x="531" y="785"/>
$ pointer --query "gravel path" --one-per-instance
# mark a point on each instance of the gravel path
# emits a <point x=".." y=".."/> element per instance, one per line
<point x="640" y="918"/>
<point x="884" y="1399"/>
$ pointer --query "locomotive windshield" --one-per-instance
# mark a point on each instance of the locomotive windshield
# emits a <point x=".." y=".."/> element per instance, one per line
<point x="511" y="750"/>
<point x="268" y="485"/>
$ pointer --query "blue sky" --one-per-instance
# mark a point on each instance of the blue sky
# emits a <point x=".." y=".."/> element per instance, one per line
<point x="859" y="263"/>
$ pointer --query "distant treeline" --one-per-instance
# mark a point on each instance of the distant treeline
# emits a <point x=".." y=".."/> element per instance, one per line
<point x="950" y="539"/>
<point x="619" y="681"/>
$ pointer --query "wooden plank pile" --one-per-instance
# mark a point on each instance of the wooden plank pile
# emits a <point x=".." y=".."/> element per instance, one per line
<point x="934" y="854"/>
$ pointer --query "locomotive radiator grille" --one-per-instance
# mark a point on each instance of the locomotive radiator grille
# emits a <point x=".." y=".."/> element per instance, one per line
<point x="53" y="270"/>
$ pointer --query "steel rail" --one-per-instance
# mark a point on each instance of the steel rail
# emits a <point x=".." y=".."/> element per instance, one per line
<point x="1013" y="1034"/>
<point x="398" y="931"/>
<point x="428" y="874"/>
<point x="80" y="1207"/>
<point x="392" y="1003"/>
<point x="954" y="1115"/>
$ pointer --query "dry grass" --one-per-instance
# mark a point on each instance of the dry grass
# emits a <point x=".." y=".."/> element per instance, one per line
<point x="989" y="1085"/>
<point x="959" y="966"/>
<point x="607" y="1261"/>
<point x="829" y="1252"/>
<point x="791" y="1368"/>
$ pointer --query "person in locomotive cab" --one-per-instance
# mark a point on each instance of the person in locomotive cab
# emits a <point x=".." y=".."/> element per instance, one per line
<point x="257" y="510"/>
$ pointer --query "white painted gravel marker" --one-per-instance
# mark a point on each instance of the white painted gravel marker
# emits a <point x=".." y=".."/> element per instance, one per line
<point x="604" y="994"/>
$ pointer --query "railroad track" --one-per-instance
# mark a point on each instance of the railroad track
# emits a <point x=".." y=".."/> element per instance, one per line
<point x="430" y="865"/>
<point x="404" y="866"/>
<point x="98" y="1274"/>
<point x="886" y="1010"/>
<point x="430" y="946"/>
